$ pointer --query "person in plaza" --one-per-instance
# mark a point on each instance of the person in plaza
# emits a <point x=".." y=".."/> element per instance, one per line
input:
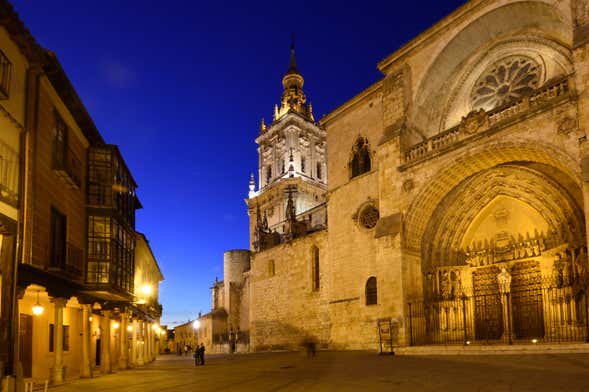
<point x="201" y="351"/>
<point x="196" y="355"/>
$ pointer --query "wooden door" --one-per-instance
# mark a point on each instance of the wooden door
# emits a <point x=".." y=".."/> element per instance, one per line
<point x="25" y="342"/>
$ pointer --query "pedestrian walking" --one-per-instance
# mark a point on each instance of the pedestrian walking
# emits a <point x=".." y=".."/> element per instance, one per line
<point x="202" y="353"/>
<point x="196" y="355"/>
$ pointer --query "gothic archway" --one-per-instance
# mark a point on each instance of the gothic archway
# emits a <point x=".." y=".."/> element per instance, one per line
<point x="503" y="250"/>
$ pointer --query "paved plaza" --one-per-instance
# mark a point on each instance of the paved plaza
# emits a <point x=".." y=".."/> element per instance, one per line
<point x="349" y="371"/>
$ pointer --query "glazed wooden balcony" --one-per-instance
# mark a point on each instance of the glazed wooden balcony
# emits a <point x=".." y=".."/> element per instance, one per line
<point x="482" y="122"/>
<point x="67" y="165"/>
<point x="8" y="174"/>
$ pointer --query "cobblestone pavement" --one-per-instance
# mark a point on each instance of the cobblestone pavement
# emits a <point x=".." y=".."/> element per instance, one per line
<point x="349" y="371"/>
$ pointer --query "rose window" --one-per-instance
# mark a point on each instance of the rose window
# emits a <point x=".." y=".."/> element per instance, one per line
<point x="368" y="217"/>
<point x="506" y="80"/>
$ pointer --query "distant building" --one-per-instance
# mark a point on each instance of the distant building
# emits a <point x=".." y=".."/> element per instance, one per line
<point x="444" y="204"/>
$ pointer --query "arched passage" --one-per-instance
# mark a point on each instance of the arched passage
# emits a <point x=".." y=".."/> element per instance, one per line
<point x="501" y="238"/>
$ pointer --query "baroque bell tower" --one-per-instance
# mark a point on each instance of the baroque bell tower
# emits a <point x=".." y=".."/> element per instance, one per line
<point x="292" y="169"/>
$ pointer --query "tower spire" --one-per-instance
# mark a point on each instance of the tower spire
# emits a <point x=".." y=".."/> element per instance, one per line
<point x="292" y="66"/>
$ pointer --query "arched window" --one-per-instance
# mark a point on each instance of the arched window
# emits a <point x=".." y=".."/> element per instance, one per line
<point x="360" y="162"/>
<point x="315" y="280"/>
<point x="268" y="174"/>
<point x="371" y="292"/>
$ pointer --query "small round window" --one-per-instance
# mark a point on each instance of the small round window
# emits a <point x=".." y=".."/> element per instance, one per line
<point x="368" y="217"/>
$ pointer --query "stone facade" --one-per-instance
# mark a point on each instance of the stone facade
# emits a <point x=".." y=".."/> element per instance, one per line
<point x="456" y="201"/>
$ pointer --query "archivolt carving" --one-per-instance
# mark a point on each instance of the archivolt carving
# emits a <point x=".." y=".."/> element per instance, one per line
<point x="479" y="159"/>
<point x="551" y="59"/>
<point x="442" y="242"/>
<point x="515" y="21"/>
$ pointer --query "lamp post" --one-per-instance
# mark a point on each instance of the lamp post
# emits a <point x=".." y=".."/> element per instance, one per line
<point x="195" y="327"/>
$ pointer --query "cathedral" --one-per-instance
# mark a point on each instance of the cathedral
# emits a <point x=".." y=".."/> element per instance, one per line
<point x="444" y="204"/>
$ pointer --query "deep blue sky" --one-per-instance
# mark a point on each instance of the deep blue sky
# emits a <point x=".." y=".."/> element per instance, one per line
<point x="181" y="86"/>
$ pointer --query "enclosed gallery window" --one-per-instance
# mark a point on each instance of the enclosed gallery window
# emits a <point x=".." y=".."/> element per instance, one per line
<point x="315" y="280"/>
<point x="360" y="161"/>
<point x="371" y="292"/>
<point x="319" y="170"/>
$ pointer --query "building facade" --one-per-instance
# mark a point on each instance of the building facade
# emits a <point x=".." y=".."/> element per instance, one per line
<point x="71" y="258"/>
<point x="454" y="196"/>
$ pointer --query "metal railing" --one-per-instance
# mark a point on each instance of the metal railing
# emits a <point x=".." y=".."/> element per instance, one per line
<point x="553" y="312"/>
<point x="66" y="164"/>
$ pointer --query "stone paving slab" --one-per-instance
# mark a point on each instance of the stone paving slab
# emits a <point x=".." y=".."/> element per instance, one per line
<point x="349" y="371"/>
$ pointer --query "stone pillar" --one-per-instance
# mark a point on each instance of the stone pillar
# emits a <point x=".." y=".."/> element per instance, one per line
<point x="148" y="333"/>
<point x="86" y="368"/>
<point x="141" y="348"/>
<point x="58" y="304"/>
<point x="105" y="366"/>
<point x="123" y="348"/>
<point x="134" y="344"/>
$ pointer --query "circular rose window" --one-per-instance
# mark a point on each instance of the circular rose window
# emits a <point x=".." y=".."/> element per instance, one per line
<point x="368" y="217"/>
<point x="506" y="80"/>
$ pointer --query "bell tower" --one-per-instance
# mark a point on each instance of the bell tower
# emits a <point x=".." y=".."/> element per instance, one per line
<point x="291" y="155"/>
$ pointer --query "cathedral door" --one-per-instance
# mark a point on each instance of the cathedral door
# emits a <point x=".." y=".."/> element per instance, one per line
<point x="487" y="304"/>
<point x="526" y="300"/>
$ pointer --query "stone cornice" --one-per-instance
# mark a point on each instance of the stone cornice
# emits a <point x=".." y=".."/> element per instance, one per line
<point x="285" y="121"/>
<point x="325" y="120"/>
<point x="440" y="27"/>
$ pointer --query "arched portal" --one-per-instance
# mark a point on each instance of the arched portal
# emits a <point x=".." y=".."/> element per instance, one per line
<point x="503" y="254"/>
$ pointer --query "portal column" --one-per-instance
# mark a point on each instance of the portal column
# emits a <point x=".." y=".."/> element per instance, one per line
<point x="134" y="344"/>
<point x="59" y="304"/>
<point x="86" y="370"/>
<point x="123" y="354"/>
<point x="141" y="347"/>
<point x="105" y="366"/>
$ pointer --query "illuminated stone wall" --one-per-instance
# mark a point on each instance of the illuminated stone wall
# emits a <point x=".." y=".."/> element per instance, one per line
<point x="477" y="141"/>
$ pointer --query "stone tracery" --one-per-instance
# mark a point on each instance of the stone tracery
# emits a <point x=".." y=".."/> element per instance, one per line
<point x="505" y="80"/>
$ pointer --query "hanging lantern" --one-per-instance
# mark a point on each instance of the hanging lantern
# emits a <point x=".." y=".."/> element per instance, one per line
<point x="37" y="308"/>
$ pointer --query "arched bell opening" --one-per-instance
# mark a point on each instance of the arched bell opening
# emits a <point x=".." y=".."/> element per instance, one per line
<point x="504" y="258"/>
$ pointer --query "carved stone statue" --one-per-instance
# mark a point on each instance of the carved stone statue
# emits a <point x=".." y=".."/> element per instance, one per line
<point x="445" y="285"/>
<point x="504" y="280"/>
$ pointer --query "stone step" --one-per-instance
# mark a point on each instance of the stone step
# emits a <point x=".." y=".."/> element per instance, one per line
<point x="516" y="349"/>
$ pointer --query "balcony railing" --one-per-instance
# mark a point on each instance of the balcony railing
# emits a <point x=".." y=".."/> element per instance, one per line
<point x="481" y="121"/>
<point x="75" y="261"/>
<point x="67" y="165"/>
<point x="71" y="264"/>
<point x="8" y="174"/>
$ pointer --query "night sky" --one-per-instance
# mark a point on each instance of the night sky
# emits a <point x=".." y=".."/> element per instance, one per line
<point x="180" y="87"/>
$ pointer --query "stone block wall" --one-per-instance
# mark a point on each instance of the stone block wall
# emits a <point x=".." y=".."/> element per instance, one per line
<point x="284" y="309"/>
